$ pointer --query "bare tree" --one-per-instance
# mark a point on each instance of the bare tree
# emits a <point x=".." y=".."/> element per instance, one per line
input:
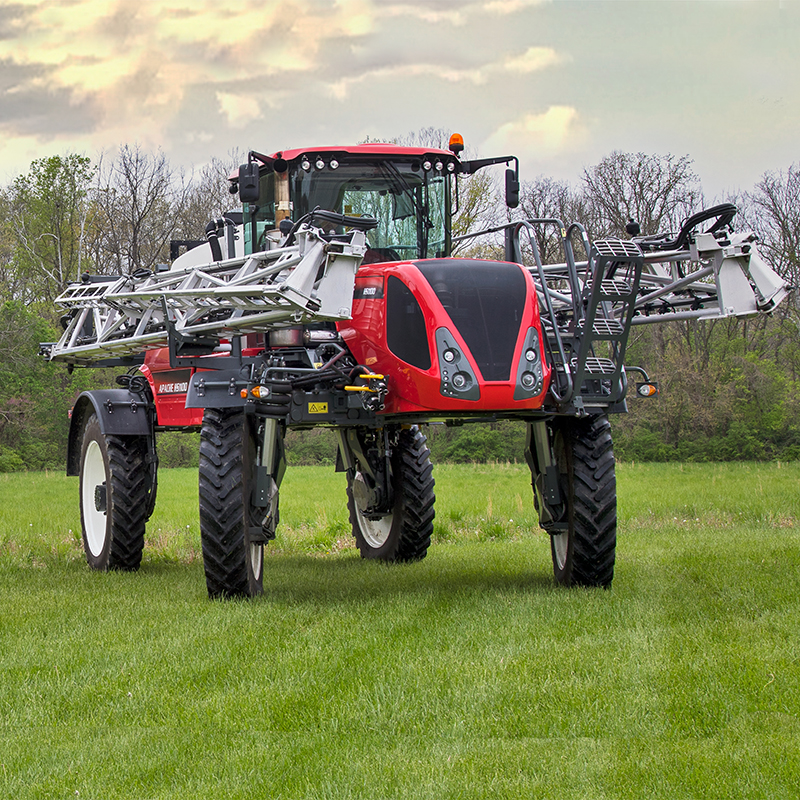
<point x="773" y="211"/>
<point x="545" y="198"/>
<point x="476" y="204"/>
<point x="208" y="196"/>
<point x="658" y="192"/>
<point x="140" y="198"/>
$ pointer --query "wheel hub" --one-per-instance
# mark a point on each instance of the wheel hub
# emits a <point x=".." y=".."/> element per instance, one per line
<point x="100" y="502"/>
<point x="368" y="499"/>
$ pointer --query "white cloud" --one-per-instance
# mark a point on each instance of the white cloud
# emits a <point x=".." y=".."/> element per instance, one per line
<point x="425" y="13"/>
<point x="511" y="6"/>
<point x="557" y="130"/>
<point x="238" y="109"/>
<point x="532" y="60"/>
<point x="137" y="62"/>
<point x="341" y="88"/>
<point x="457" y="13"/>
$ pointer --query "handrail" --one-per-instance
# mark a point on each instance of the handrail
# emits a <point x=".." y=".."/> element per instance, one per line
<point x="559" y="397"/>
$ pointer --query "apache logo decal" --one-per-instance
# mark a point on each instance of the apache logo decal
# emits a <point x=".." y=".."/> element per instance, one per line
<point x="179" y="383"/>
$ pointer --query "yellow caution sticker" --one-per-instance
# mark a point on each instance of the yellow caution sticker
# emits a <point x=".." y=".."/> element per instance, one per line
<point x="317" y="408"/>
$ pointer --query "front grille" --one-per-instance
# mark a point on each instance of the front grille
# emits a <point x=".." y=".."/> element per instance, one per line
<point x="485" y="300"/>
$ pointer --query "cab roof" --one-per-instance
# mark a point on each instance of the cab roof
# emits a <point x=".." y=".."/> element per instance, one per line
<point x="371" y="148"/>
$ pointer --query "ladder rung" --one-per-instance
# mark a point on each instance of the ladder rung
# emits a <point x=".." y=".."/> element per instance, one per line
<point x="600" y="366"/>
<point x="615" y="288"/>
<point x="618" y="249"/>
<point x="607" y="327"/>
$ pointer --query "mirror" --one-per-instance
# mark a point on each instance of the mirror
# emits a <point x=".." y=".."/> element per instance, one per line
<point x="248" y="182"/>
<point x="512" y="189"/>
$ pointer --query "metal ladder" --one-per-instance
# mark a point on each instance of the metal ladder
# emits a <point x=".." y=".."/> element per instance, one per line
<point x="586" y="314"/>
<point x="599" y="337"/>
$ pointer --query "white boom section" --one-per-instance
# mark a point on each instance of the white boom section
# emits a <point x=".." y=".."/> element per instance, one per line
<point x="716" y="276"/>
<point x="310" y="280"/>
<point x="727" y="276"/>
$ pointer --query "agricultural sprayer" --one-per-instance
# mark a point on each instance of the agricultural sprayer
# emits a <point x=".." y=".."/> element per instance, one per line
<point x="333" y="299"/>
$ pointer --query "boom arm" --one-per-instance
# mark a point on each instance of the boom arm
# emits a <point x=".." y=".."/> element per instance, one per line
<point x="290" y="285"/>
<point x="589" y="307"/>
<point x="695" y="275"/>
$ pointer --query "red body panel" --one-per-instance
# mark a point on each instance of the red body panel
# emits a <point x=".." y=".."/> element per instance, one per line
<point x="415" y="390"/>
<point x="411" y="390"/>
<point x="169" y="388"/>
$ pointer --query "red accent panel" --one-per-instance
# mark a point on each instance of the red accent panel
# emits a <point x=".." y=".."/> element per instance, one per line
<point x="410" y="388"/>
<point x="169" y="387"/>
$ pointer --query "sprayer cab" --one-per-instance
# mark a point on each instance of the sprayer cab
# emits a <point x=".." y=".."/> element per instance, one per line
<point x="411" y="191"/>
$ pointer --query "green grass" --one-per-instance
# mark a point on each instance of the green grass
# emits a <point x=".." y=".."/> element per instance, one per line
<point x="468" y="675"/>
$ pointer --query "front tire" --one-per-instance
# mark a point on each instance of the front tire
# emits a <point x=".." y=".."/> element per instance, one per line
<point x="404" y="534"/>
<point x="584" y="554"/>
<point x="232" y="557"/>
<point x="114" y="481"/>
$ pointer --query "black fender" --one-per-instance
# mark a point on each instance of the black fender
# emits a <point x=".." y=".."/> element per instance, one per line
<point x="120" y="412"/>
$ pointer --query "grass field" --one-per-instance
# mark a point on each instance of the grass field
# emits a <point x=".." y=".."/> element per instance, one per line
<point x="468" y="675"/>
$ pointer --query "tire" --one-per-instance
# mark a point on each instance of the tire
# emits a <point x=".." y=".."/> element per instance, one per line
<point x="584" y="554"/>
<point x="114" y="481"/>
<point x="233" y="563"/>
<point x="405" y="533"/>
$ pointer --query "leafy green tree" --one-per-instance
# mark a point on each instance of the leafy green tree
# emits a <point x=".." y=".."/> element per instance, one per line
<point x="477" y="442"/>
<point x="35" y="396"/>
<point x="49" y="214"/>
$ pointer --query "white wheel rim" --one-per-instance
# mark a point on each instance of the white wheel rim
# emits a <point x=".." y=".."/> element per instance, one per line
<point x="95" y="523"/>
<point x="560" y="544"/>
<point x="375" y="531"/>
<point x="256" y="560"/>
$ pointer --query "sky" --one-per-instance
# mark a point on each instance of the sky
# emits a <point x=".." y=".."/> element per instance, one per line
<point x="558" y="83"/>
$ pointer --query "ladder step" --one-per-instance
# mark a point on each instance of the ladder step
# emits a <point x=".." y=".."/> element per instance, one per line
<point x="607" y="327"/>
<point x="618" y="249"/>
<point x="612" y="289"/>
<point x="599" y="367"/>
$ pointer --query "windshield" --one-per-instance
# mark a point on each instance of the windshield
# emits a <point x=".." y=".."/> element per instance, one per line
<point x="412" y="205"/>
<point x="259" y="218"/>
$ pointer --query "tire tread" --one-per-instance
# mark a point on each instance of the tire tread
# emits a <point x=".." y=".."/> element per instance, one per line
<point x="414" y="502"/>
<point x="129" y="485"/>
<point x="594" y="503"/>
<point x="223" y="516"/>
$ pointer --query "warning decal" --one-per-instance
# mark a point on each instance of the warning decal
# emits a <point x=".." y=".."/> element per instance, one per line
<point x="317" y="408"/>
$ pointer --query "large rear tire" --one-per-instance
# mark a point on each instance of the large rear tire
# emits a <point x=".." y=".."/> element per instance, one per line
<point x="584" y="554"/>
<point x="404" y="534"/>
<point x="233" y="560"/>
<point x="114" y="481"/>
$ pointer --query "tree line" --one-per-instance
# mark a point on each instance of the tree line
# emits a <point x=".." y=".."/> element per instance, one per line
<point x="729" y="388"/>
